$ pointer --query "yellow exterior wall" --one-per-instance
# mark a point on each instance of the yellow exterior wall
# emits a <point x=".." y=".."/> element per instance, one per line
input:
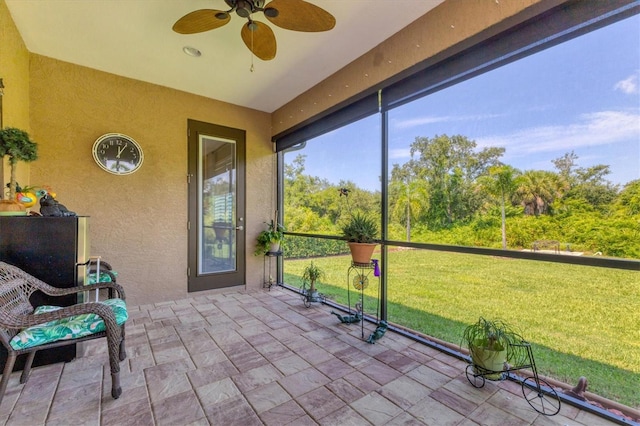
<point x="14" y="71"/>
<point x="139" y="221"/>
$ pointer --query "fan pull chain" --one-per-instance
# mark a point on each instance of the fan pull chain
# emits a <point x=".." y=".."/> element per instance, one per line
<point x="251" y="69"/>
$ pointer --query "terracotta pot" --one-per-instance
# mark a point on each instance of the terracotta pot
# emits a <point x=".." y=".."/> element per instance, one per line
<point x="362" y="252"/>
<point x="12" y="208"/>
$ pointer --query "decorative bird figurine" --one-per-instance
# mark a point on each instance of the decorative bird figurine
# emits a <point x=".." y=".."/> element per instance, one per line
<point x="49" y="206"/>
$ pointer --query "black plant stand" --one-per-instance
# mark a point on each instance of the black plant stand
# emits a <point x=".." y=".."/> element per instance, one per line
<point x="267" y="279"/>
<point x="358" y="275"/>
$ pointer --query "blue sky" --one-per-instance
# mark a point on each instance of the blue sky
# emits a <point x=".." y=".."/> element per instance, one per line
<point x="582" y="95"/>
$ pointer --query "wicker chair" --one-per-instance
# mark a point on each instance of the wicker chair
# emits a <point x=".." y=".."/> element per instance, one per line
<point x="18" y="316"/>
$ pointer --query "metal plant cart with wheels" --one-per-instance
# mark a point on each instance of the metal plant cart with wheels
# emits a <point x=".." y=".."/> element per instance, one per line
<point x="307" y="297"/>
<point x="538" y="393"/>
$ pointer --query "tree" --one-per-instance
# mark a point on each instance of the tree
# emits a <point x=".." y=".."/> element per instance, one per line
<point x="566" y="165"/>
<point x="538" y="189"/>
<point x="586" y="186"/>
<point x="310" y="200"/>
<point x="409" y="197"/>
<point x="501" y="183"/>
<point x="628" y="201"/>
<point x="450" y="165"/>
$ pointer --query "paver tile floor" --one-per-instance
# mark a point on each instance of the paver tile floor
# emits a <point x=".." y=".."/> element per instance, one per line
<point x="262" y="358"/>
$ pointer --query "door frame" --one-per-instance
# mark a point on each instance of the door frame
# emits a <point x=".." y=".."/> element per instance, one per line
<point x="211" y="281"/>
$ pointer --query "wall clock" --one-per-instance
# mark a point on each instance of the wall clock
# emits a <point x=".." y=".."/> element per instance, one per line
<point x="117" y="153"/>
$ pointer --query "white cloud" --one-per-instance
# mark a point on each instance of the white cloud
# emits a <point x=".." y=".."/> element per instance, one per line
<point x="599" y="128"/>
<point x="415" y="122"/>
<point x="399" y="153"/>
<point x="628" y="85"/>
<point x="419" y="121"/>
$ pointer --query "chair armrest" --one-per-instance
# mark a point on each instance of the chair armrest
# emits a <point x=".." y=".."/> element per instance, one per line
<point x="55" y="291"/>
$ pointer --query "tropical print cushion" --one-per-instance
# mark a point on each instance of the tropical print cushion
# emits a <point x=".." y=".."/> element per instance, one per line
<point x="104" y="277"/>
<point x="67" y="328"/>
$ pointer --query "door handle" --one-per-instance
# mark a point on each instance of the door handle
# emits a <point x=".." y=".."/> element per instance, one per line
<point x="239" y="228"/>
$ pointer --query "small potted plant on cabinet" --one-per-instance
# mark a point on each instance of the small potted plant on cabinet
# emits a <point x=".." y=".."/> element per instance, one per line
<point x="491" y="346"/>
<point x="17" y="145"/>
<point x="269" y="240"/>
<point x="310" y="275"/>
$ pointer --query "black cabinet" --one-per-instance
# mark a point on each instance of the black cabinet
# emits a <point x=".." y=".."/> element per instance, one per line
<point x="51" y="249"/>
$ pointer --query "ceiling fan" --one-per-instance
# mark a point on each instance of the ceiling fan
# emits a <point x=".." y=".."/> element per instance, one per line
<point x="296" y="15"/>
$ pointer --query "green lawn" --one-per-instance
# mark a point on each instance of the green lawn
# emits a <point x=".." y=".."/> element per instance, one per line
<point x="582" y="321"/>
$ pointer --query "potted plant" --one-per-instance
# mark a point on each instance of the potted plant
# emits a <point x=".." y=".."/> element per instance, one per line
<point x="310" y="275"/>
<point x="17" y="145"/>
<point x="268" y="241"/>
<point x="491" y="346"/>
<point x="360" y="231"/>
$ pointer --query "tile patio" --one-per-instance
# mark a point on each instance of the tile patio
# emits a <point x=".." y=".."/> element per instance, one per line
<point x="262" y="358"/>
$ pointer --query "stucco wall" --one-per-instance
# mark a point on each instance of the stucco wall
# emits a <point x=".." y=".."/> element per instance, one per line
<point x="14" y="70"/>
<point x="138" y="222"/>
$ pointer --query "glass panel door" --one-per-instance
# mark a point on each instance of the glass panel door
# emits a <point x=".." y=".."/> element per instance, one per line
<point x="216" y="206"/>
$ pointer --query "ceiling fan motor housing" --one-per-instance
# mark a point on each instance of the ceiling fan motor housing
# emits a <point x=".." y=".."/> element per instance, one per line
<point x="245" y="8"/>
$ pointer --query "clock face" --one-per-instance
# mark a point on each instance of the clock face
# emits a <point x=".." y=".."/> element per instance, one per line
<point x="118" y="154"/>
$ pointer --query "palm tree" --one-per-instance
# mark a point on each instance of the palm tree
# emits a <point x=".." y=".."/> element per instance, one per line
<point x="411" y="198"/>
<point x="537" y="190"/>
<point x="501" y="183"/>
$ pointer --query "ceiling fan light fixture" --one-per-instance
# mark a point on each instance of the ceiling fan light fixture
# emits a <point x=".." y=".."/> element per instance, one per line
<point x="271" y="12"/>
<point x="192" y="51"/>
<point x="244" y="8"/>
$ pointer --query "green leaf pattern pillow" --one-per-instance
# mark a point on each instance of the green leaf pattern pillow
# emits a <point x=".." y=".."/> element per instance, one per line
<point x="67" y="328"/>
<point x="104" y="277"/>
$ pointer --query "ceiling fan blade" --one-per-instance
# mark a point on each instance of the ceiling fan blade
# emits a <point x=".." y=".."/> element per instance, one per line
<point x="260" y="40"/>
<point x="298" y="15"/>
<point x="201" y="20"/>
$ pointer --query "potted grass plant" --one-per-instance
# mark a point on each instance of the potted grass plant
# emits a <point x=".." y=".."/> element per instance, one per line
<point x="17" y="146"/>
<point x="360" y="231"/>
<point x="491" y="346"/>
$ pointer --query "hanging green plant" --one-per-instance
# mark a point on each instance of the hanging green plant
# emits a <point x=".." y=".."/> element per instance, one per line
<point x="270" y="238"/>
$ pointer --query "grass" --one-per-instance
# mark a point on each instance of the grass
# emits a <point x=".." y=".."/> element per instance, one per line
<point x="581" y="321"/>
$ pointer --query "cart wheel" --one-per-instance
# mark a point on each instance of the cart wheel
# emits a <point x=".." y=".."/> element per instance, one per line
<point x="477" y="380"/>
<point x="307" y="301"/>
<point x="544" y="401"/>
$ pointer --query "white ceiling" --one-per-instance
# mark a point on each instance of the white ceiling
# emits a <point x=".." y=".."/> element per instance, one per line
<point x="133" y="38"/>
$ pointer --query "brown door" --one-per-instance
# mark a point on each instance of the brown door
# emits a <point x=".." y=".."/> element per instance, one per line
<point x="216" y="206"/>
